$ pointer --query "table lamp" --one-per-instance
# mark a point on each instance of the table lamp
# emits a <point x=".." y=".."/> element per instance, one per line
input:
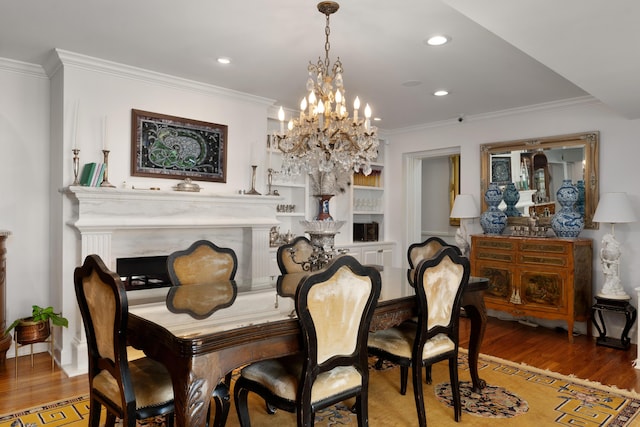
<point x="613" y="208"/>
<point x="464" y="207"/>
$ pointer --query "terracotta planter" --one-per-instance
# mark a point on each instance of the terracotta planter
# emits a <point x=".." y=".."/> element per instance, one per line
<point x="29" y="332"/>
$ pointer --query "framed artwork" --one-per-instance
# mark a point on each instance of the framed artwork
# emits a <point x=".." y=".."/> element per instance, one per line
<point x="501" y="170"/>
<point x="173" y="147"/>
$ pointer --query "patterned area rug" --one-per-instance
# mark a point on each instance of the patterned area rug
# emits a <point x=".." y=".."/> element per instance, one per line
<point x="515" y="395"/>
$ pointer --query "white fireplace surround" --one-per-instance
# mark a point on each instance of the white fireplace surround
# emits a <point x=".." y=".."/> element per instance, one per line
<point x="116" y="223"/>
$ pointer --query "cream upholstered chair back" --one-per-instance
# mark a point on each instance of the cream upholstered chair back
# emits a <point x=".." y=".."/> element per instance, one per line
<point x="302" y="248"/>
<point x="202" y="262"/>
<point x="339" y="303"/>
<point x="424" y="250"/>
<point x="442" y="287"/>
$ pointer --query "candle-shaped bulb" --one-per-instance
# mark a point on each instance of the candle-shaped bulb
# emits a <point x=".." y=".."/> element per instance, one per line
<point x="303" y="107"/>
<point x="367" y="115"/>
<point x="312" y="98"/>
<point x="338" y="97"/>
<point x="356" y="107"/>
<point x="281" y="118"/>
<point x="290" y="125"/>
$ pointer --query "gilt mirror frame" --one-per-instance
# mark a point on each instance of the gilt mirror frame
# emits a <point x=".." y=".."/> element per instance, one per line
<point x="589" y="140"/>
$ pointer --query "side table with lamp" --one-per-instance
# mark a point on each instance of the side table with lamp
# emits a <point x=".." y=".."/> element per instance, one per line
<point x="613" y="208"/>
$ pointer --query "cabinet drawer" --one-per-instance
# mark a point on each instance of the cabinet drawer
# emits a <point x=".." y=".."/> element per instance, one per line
<point x="543" y="260"/>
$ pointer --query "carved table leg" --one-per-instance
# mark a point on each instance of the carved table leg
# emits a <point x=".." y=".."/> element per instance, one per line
<point x="473" y="303"/>
<point x="193" y="389"/>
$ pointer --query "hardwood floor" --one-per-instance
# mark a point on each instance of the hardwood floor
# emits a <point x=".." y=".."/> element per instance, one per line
<point x="539" y="347"/>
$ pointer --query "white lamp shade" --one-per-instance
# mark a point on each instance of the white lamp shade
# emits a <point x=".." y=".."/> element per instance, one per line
<point x="614" y="208"/>
<point x="464" y="206"/>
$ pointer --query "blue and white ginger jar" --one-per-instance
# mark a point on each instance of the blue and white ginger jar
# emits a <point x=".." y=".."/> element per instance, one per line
<point x="511" y="196"/>
<point x="567" y="222"/>
<point x="493" y="220"/>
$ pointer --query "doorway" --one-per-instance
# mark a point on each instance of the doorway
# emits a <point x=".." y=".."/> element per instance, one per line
<point x="427" y="195"/>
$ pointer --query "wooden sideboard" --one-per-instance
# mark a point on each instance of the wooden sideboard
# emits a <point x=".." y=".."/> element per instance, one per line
<point x="547" y="278"/>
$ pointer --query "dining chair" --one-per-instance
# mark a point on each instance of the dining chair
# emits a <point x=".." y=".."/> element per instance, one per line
<point x="440" y="282"/>
<point x="129" y="389"/>
<point x="202" y="262"/>
<point x="291" y="262"/>
<point x="334" y="307"/>
<point x="424" y="250"/>
<point x="205" y="262"/>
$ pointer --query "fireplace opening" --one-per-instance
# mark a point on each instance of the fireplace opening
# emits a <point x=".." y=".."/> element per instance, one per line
<point x="143" y="272"/>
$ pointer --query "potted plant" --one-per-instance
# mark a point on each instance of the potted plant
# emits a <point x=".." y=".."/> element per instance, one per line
<point x="36" y="328"/>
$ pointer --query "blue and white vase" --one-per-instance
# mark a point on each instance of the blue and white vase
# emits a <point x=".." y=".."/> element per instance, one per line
<point x="511" y="196"/>
<point x="567" y="222"/>
<point x="493" y="220"/>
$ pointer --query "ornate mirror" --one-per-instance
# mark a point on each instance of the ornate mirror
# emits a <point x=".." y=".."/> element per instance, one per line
<point x="537" y="167"/>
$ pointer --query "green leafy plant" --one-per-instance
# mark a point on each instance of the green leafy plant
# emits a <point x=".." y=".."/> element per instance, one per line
<point x="39" y="314"/>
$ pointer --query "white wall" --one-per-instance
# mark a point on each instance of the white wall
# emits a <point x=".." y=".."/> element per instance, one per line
<point x="24" y="173"/>
<point x="619" y="152"/>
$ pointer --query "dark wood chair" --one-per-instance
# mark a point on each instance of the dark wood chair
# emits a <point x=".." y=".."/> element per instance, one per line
<point x="425" y="250"/>
<point x="288" y="262"/>
<point x="130" y="390"/>
<point x="439" y="285"/>
<point x="205" y="262"/>
<point x="335" y="306"/>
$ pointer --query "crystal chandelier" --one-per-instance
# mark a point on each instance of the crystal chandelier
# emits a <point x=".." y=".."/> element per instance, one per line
<point x="324" y="139"/>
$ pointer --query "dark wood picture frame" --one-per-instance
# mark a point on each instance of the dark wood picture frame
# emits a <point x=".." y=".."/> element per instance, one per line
<point x="165" y="146"/>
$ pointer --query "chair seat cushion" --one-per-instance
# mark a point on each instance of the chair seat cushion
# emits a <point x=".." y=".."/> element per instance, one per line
<point x="281" y="377"/>
<point x="399" y="342"/>
<point x="151" y="383"/>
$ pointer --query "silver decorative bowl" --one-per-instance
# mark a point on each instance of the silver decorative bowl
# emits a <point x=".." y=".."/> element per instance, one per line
<point x="322" y="227"/>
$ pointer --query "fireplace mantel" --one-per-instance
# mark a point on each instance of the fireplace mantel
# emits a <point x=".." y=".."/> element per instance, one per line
<point x="110" y="217"/>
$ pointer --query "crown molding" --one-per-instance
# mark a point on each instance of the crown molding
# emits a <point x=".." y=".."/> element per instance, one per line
<point x="25" y="68"/>
<point x="547" y="106"/>
<point x="65" y="58"/>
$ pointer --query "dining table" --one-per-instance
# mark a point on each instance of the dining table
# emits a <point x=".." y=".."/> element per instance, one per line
<point x="201" y="332"/>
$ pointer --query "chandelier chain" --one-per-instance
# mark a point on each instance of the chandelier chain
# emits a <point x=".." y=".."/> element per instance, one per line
<point x="327" y="45"/>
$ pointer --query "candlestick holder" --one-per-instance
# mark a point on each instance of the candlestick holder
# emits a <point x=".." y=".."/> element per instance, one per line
<point x="253" y="182"/>
<point x="76" y="166"/>
<point x="271" y="192"/>
<point x="105" y="177"/>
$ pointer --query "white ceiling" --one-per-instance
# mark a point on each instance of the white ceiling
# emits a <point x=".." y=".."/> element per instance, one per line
<point x="504" y="54"/>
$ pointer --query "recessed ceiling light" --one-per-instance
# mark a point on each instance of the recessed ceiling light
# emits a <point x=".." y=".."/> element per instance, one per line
<point x="438" y="40"/>
<point x="441" y="92"/>
<point x="223" y="60"/>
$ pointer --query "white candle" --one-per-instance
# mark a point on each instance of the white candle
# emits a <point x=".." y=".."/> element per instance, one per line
<point x="104" y="134"/>
<point x="75" y="124"/>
